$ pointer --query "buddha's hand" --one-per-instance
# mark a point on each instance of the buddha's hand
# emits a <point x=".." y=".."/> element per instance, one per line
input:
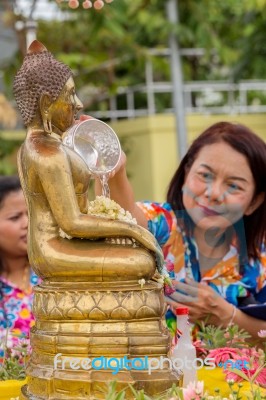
<point x="147" y="240"/>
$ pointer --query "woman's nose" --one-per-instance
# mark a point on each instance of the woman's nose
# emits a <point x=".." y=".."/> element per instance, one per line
<point x="214" y="191"/>
<point x="25" y="220"/>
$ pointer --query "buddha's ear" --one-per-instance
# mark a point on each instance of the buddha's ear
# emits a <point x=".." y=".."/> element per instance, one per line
<point x="45" y="103"/>
<point x="257" y="201"/>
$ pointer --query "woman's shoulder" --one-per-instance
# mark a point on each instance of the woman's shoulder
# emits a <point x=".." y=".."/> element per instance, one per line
<point x="161" y="219"/>
<point x="254" y="271"/>
<point x="10" y="289"/>
<point x="159" y="213"/>
<point x="155" y="209"/>
<point x="34" y="278"/>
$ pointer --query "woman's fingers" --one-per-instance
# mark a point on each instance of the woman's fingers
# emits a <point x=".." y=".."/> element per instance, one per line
<point x="121" y="164"/>
<point x="182" y="298"/>
<point x="187" y="289"/>
<point x="192" y="282"/>
<point x="173" y="304"/>
<point x="84" y="117"/>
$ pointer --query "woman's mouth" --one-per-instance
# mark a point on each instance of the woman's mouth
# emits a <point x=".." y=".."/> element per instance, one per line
<point x="209" y="212"/>
<point x="24" y="238"/>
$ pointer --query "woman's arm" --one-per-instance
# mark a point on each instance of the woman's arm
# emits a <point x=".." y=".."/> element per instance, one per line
<point x="250" y="324"/>
<point x="121" y="191"/>
<point x="120" y="188"/>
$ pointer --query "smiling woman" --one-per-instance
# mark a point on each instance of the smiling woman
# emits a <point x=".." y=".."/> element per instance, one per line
<point x="212" y="228"/>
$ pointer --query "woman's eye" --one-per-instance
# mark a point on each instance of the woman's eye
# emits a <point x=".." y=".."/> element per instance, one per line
<point x="14" y="218"/>
<point x="233" y="187"/>
<point x="207" y="176"/>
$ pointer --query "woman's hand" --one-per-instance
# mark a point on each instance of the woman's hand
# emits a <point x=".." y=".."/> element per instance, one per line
<point x="202" y="301"/>
<point x="120" y="166"/>
<point x="83" y="117"/>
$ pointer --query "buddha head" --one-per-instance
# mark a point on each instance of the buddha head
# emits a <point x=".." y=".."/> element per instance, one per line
<point x="44" y="89"/>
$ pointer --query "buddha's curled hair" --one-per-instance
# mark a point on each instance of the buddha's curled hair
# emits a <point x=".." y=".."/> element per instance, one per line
<point x="40" y="73"/>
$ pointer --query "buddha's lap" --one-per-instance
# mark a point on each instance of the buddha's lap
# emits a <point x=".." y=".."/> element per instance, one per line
<point x="93" y="259"/>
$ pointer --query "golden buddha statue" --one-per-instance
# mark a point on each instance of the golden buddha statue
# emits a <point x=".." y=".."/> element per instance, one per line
<point x="90" y="303"/>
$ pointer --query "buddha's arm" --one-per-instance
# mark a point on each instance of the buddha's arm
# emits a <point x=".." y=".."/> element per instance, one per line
<point x="82" y="200"/>
<point x="121" y="192"/>
<point x="56" y="179"/>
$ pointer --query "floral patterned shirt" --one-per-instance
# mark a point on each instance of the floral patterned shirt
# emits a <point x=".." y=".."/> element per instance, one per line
<point x="180" y="250"/>
<point x="15" y="307"/>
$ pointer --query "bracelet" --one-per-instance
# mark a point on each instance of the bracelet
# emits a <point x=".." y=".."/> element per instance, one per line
<point x="232" y="316"/>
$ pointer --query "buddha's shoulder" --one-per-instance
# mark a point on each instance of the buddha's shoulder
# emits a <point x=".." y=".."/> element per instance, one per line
<point x="47" y="151"/>
<point x="41" y="146"/>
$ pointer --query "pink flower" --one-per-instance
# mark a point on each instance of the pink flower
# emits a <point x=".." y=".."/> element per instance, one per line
<point x="200" y="349"/>
<point x="235" y="339"/>
<point x="262" y="333"/>
<point x="168" y="286"/>
<point x="260" y="379"/>
<point x="169" y="265"/>
<point x="193" y="391"/>
<point x="251" y="352"/>
<point x="224" y="354"/>
<point x="231" y="376"/>
<point x="73" y="3"/>
<point x="168" y="290"/>
<point x="254" y="359"/>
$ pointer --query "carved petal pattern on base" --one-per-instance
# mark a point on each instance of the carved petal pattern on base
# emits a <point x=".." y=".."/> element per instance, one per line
<point x="98" y="305"/>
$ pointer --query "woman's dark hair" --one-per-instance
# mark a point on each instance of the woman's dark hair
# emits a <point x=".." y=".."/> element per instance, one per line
<point x="8" y="184"/>
<point x="244" y="141"/>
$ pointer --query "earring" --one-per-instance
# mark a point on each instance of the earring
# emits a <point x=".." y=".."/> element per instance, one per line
<point x="47" y="124"/>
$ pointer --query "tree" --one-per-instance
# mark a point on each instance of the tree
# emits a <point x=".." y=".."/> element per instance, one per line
<point x="107" y="48"/>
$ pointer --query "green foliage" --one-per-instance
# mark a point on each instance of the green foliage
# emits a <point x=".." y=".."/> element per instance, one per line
<point x="7" y="147"/>
<point x="14" y="360"/>
<point x="214" y="337"/>
<point x="139" y="394"/>
<point x="11" y="369"/>
<point x="107" y="48"/>
<point x="111" y="391"/>
<point x="176" y="393"/>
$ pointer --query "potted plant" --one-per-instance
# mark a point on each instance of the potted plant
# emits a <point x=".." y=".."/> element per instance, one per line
<point x="239" y="362"/>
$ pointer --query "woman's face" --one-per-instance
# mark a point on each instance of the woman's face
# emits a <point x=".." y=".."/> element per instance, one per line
<point x="219" y="187"/>
<point x="13" y="225"/>
<point x="65" y="108"/>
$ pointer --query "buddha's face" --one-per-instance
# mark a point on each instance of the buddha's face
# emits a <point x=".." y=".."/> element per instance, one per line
<point x="64" y="109"/>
